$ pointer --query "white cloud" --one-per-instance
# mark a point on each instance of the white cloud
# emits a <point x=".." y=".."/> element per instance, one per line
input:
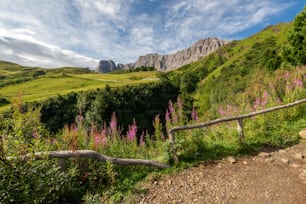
<point x="118" y="30"/>
<point x="33" y="54"/>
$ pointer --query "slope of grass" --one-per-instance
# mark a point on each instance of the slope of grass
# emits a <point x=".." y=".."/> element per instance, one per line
<point x="222" y="76"/>
<point x="36" y="84"/>
<point x="245" y="60"/>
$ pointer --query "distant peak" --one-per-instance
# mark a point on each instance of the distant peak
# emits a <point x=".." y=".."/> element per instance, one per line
<point x="196" y="51"/>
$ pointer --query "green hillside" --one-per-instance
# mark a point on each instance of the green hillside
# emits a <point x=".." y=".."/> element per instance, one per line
<point x="225" y="76"/>
<point x="36" y="84"/>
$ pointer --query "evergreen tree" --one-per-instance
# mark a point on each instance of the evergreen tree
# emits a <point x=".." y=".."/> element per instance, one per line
<point x="295" y="53"/>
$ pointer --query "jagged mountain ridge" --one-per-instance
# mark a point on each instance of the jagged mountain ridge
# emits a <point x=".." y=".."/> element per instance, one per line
<point x="169" y="62"/>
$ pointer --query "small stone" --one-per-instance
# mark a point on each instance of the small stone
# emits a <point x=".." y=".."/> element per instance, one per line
<point x="302" y="134"/>
<point x="298" y="156"/>
<point x="232" y="195"/>
<point x="264" y="154"/>
<point x="245" y="162"/>
<point x="155" y="183"/>
<point x="295" y="166"/>
<point x="282" y="151"/>
<point x="231" y="160"/>
<point x="302" y="176"/>
<point x="169" y="182"/>
<point x="269" y="160"/>
<point x="285" y="161"/>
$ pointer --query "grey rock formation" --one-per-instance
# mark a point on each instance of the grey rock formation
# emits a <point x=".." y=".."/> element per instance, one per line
<point x="106" y="66"/>
<point x="169" y="62"/>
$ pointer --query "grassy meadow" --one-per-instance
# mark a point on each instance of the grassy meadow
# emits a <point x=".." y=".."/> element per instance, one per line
<point x="60" y="81"/>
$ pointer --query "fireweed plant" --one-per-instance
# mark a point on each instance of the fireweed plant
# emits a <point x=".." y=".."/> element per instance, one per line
<point x="276" y="129"/>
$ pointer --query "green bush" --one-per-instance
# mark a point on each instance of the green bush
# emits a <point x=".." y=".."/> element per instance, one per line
<point x="32" y="182"/>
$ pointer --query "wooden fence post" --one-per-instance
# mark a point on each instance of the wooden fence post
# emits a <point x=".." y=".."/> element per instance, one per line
<point x="240" y="130"/>
<point x="172" y="144"/>
<point x="61" y="163"/>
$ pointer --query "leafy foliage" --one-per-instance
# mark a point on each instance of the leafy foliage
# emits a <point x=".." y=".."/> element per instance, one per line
<point x="295" y="51"/>
<point x="137" y="69"/>
<point x="27" y="181"/>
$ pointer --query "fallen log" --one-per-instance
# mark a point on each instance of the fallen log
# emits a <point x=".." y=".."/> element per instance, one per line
<point x="89" y="154"/>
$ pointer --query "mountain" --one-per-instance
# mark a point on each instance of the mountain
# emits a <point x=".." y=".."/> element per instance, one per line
<point x="36" y="54"/>
<point x="169" y="62"/>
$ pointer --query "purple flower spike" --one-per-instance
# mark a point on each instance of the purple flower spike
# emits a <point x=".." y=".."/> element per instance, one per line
<point x="298" y="83"/>
<point x="35" y="135"/>
<point x="167" y="116"/>
<point x="221" y="111"/>
<point x="194" y="114"/>
<point x="287" y="75"/>
<point x="171" y="109"/>
<point x="265" y="94"/>
<point x="113" y="122"/>
<point x="132" y="131"/>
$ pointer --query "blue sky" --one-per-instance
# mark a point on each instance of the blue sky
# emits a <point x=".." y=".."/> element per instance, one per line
<point x="54" y="33"/>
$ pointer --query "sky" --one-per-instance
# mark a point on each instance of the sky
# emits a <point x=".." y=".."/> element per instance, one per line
<point x="55" y="33"/>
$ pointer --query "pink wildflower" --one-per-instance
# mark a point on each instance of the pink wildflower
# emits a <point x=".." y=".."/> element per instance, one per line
<point x="113" y="122"/>
<point x="35" y="135"/>
<point x="287" y="75"/>
<point x="194" y="114"/>
<point x="221" y="111"/>
<point x="298" y="83"/>
<point x="257" y="104"/>
<point x="167" y="116"/>
<point x="141" y="141"/>
<point x="265" y="95"/>
<point x="132" y="131"/>
<point x="170" y="107"/>
<point x="263" y="103"/>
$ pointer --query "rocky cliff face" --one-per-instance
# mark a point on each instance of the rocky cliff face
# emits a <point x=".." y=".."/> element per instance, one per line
<point x="172" y="61"/>
<point x="107" y="66"/>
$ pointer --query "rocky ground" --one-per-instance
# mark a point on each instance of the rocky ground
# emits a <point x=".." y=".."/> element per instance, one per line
<point x="277" y="176"/>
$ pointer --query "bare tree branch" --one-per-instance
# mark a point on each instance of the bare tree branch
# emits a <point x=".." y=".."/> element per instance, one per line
<point x="91" y="155"/>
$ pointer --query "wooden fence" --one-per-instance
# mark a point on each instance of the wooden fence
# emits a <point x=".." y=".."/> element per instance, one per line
<point x="62" y="155"/>
<point x="222" y="120"/>
<point x="89" y="154"/>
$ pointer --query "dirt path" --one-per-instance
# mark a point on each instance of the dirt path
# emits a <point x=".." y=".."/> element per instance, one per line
<point x="274" y="177"/>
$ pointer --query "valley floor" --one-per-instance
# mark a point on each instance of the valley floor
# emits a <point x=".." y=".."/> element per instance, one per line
<point x="273" y="176"/>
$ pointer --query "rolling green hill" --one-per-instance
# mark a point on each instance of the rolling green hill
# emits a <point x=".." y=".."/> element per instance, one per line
<point x="236" y="73"/>
<point x="36" y="84"/>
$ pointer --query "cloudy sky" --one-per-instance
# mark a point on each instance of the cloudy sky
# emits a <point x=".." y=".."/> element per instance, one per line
<point x="53" y="33"/>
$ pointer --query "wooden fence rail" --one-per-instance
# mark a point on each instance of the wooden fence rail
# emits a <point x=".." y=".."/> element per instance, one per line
<point x="89" y="154"/>
<point x="221" y="120"/>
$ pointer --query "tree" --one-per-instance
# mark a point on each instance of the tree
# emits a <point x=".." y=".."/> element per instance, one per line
<point x="295" y="53"/>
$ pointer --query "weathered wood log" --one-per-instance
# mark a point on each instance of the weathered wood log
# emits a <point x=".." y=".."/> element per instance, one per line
<point x="240" y="131"/>
<point x="89" y="154"/>
<point x="173" y="150"/>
